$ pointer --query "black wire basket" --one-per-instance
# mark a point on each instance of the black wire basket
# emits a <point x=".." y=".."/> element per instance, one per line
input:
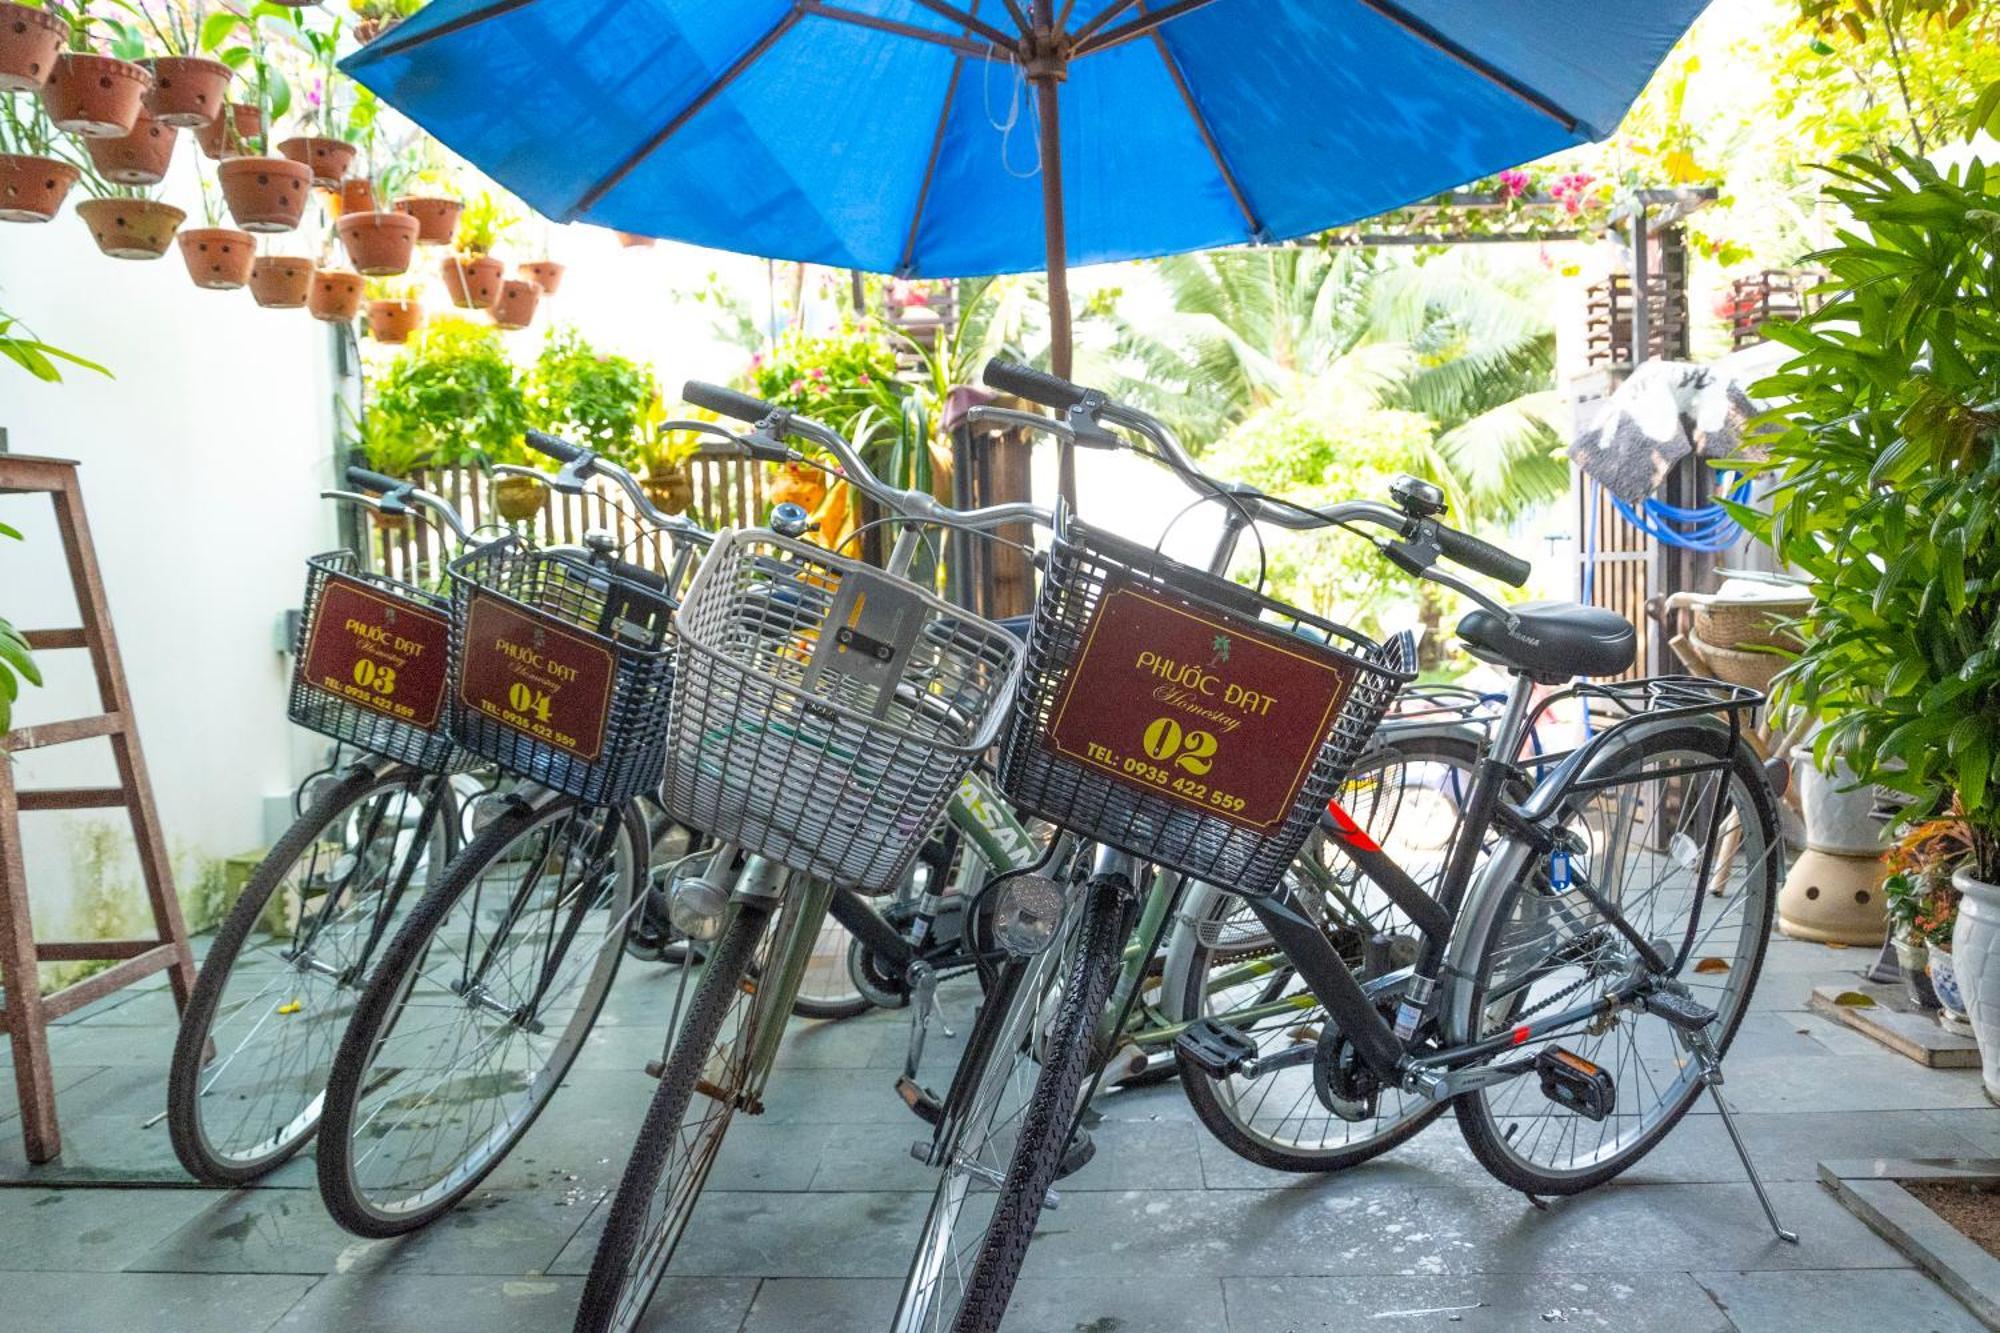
<point x="560" y="670"/>
<point x="1185" y="719"/>
<point x="372" y="664"/>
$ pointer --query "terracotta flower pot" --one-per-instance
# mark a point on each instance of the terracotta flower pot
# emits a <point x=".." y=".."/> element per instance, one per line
<point x="140" y="158"/>
<point x="265" y="194"/>
<point x="336" y="295"/>
<point x="188" y="91"/>
<point x="514" y="307"/>
<point x="328" y="158"/>
<point x="131" y="228"/>
<point x="32" y="188"/>
<point x="473" y="280"/>
<point x="437" y="218"/>
<point x="97" y="97"/>
<point x="216" y="139"/>
<point x="29" y="42"/>
<point x="357" y="195"/>
<point x="518" y="498"/>
<point x="281" y="282"/>
<point x="632" y="240"/>
<point x="670" y="489"/>
<point x="367" y="30"/>
<point x="545" y="274"/>
<point x="379" y="244"/>
<point x="218" y="258"/>
<point x="394" y="321"/>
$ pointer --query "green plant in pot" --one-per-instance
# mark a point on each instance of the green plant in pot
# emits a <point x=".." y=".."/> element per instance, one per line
<point x="97" y="89"/>
<point x="190" y="86"/>
<point x="471" y="274"/>
<point x="606" y="402"/>
<point x="1885" y="473"/>
<point x="453" y="399"/>
<point x="337" y="115"/>
<point x="31" y="37"/>
<point x="265" y="193"/>
<point x="37" y="167"/>
<point x="128" y="221"/>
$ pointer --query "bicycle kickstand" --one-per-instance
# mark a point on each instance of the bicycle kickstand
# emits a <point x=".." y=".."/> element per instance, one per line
<point x="1711" y="1074"/>
<point x="924" y="1007"/>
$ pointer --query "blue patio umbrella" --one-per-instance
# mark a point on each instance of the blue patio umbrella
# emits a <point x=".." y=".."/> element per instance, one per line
<point x="934" y="139"/>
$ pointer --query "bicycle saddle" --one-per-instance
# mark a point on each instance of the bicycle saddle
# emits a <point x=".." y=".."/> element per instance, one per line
<point x="1552" y="642"/>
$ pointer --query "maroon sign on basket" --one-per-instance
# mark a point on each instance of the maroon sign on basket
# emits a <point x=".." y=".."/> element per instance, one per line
<point x="536" y="675"/>
<point x="1211" y="713"/>
<point x="377" y="652"/>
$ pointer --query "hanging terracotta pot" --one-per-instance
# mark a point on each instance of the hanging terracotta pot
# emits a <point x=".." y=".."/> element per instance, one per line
<point x="394" y="321"/>
<point x="357" y="195"/>
<point x="379" y="244"/>
<point x="519" y="498"/>
<point x="281" y="282"/>
<point x="29" y="42"/>
<point x="95" y="96"/>
<point x="671" y="489"/>
<point x="514" y="307"/>
<point x="329" y="159"/>
<point x="140" y="158"/>
<point x="32" y="189"/>
<point x="437" y="218"/>
<point x="265" y="194"/>
<point x="218" y="258"/>
<point x="336" y="295"/>
<point x="545" y="274"/>
<point x="473" y="280"/>
<point x="131" y="228"/>
<point x="232" y="133"/>
<point x="632" y="240"/>
<point x="188" y="91"/>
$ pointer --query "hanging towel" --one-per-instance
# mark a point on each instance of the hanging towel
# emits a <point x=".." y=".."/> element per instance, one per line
<point x="1664" y="411"/>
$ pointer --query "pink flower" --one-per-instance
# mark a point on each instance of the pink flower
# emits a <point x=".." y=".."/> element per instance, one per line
<point x="1573" y="204"/>
<point x="817" y="372"/>
<point x="798" y="386"/>
<point x="757" y="361"/>
<point x="1514" y="183"/>
<point x="862" y="378"/>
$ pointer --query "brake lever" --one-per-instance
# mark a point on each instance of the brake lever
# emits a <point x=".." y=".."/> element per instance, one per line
<point x="1008" y="418"/>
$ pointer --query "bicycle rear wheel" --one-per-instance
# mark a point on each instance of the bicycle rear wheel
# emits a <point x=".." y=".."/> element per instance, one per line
<point x="1008" y="1151"/>
<point x="1407" y="795"/>
<point x="480" y="1005"/>
<point x="1546" y="948"/>
<point x="287" y="964"/>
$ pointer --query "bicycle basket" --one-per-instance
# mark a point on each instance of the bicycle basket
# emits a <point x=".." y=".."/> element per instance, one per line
<point x="372" y="664"/>
<point x="1185" y="719"/>
<point x="560" y="670"/>
<point x="824" y="710"/>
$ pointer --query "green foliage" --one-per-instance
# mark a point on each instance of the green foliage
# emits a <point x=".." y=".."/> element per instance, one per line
<point x="254" y="43"/>
<point x="1886" y="487"/>
<point x="610" y="403"/>
<point x="37" y="357"/>
<point x="846" y="379"/>
<point x="17" y="662"/>
<point x="452" y="400"/>
<point x="482" y="224"/>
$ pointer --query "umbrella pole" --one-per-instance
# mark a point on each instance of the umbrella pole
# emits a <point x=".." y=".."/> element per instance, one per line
<point x="1046" y="75"/>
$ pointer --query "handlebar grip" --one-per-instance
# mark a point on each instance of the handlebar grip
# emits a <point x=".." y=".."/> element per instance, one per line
<point x="727" y="402"/>
<point x="560" y="450"/>
<point x="361" y="479"/>
<point x="1481" y="557"/>
<point x="1037" y="386"/>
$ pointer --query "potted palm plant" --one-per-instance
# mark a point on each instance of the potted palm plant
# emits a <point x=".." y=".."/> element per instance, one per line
<point x="1883" y="469"/>
<point x="471" y="274"/>
<point x="36" y="172"/>
<point x="97" y="94"/>
<point x="264" y="193"/>
<point x="190" y="86"/>
<point x="31" y="37"/>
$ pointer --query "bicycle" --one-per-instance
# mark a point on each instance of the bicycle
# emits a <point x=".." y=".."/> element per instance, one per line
<point x="255" y="1045"/>
<point x="1526" y="940"/>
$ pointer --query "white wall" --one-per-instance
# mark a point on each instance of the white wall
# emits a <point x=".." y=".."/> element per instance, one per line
<point x="202" y="462"/>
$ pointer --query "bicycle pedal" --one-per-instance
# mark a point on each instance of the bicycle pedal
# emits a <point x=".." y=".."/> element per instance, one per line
<point x="920" y="1099"/>
<point x="1081" y="1149"/>
<point x="1215" y="1048"/>
<point x="1573" y="1082"/>
<point x="1682" y="1011"/>
<point x="656" y="1068"/>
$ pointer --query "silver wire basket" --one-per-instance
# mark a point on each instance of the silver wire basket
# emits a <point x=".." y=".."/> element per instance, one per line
<point x="823" y="710"/>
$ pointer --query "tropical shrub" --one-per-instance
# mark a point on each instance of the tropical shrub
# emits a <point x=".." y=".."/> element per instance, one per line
<point x="452" y="400"/>
<point x="609" y="403"/>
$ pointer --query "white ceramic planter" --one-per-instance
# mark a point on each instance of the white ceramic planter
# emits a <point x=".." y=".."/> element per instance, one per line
<point x="1975" y="952"/>
<point x="1838" y="821"/>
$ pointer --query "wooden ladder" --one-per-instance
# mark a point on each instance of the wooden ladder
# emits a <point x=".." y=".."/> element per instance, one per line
<point x="28" y="1012"/>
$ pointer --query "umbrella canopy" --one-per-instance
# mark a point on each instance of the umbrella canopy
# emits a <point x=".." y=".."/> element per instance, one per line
<point x="892" y="135"/>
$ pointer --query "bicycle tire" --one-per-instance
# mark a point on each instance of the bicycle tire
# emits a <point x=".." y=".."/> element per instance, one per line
<point x="383" y="1003"/>
<point x="1477" y="1121"/>
<point x="185" y="1094"/>
<point x="1038" y="1153"/>
<point x="1219" y="1115"/>
<point x="625" y="1223"/>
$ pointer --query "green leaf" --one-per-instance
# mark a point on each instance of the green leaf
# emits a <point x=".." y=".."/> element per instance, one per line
<point x="215" y="29"/>
<point x="14" y="653"/>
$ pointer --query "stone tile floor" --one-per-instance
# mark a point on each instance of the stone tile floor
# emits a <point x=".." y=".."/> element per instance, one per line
<point x="809" y="1219"/>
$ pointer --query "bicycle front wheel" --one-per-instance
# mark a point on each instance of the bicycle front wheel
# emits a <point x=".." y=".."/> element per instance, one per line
<point x="287" y="965"/>
<point x="480" y="1005"/>
<point x="1640" y="843"/>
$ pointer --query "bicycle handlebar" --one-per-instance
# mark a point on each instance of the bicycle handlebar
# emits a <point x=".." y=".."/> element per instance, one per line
<point x="396" y="494"/>
<point x="363" y="479"/>
<point x="772" y="423"/>
<point x="560" y="450"/>
<point x="579" y="464"/>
